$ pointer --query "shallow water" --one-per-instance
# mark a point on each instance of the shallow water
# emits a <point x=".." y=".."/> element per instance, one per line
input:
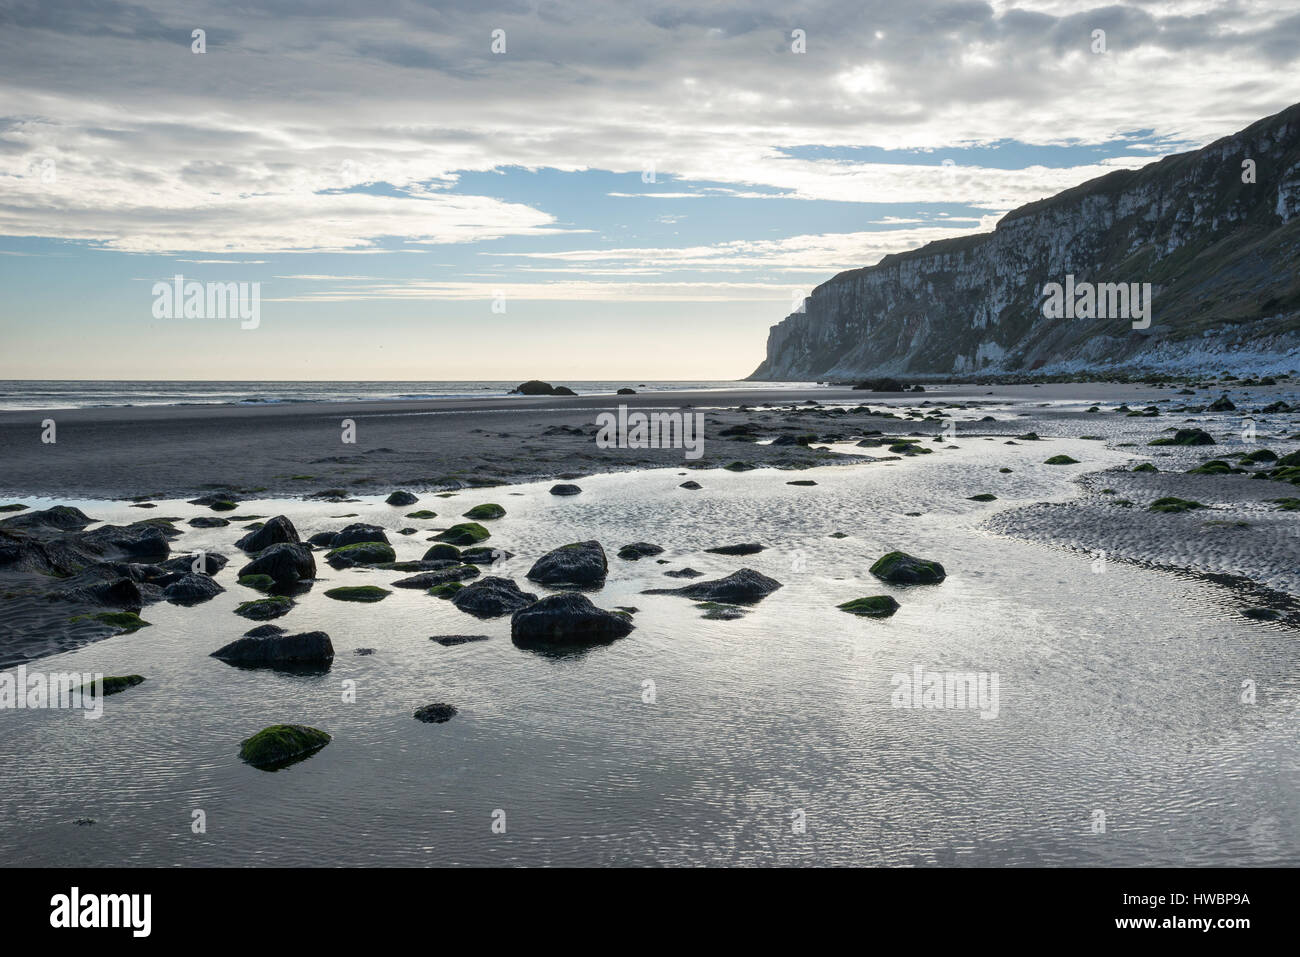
<point x="1119" y="692"/>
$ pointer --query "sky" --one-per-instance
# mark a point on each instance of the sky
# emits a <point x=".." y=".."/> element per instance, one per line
<point x="582" y="189"/>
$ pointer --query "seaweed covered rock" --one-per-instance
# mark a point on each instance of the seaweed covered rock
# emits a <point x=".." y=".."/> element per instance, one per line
<point x="466" y="533"/>
<point x="639" y="550"/>
<point x="435" y="713"/>
<point x="1185" y="437"/>
<point x="746" y="548"/>
<point x="361" y="553"/>
<point x="450" y="572"/>
<point x="580" y="564"/>
<point x="401" y="497"/>
<point x="899" y="568"/>
<point x="491" y="597"/>
<point x="485" y="512"/>
<point x="873" y="606"/>
<point x="363" y="593"/>
<point x="567" y="619"/>
<point x="281" y="745"/>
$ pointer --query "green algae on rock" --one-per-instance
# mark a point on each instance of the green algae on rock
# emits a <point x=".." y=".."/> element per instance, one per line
<point x="282" y="744"/>
<point x="358" y="593"/>
<point x="901" y="568"/>
<point x="873" y="606"/>
<point x="466" y="533"/>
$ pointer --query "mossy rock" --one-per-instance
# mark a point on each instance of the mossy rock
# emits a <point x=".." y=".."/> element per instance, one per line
<point x="115" y="684"/>
<point x="223" y="506"/>
<point x="13" y="507"/>
<point x="446" y="590"/>
<point x="873" y="606"/>
<point x="281" y="745"/>
<point x="1213" y="467"/>
<point x="257" y="582"/>
<point x="358" y="593"/>
<point x="466" y="533"/>
<point x="903" y="569"/>
<point x="486" y="511"/>
<point x="739" y="467"/>
<point x="1145" y="467"/>
<point x="442" y="552"/>
<point x="1287" y="504"/>
<point x="127" y="621"/>
<point x="422" y="513"/>
<point x="264" y="609"/>
<point x="982" y="497"/>
<point x="1061" y="460"/>
<point x="1005" y="471"/>
<point x="363" y="553"/>
<point x="1173" y="505"/>
<point x="1260" y="455"/>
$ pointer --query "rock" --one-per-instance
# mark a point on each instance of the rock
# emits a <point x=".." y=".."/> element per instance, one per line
<point x="212" y="563"/>
<point x="435" y="713"/>
<point x="1258" y="614"/>
<point x="491" y="597"/>
<point x="466" y="533"/>
<point x="485" y="512"/>
<point x="563" y="390"/>
<point x="449" y="641"/>
<point x="401" y="497"/>
<point x="446" y="591"/>
<point x="684" y="573"/>
<point x="365" y="593"/>
<point x="874" y="606"/>
<point x="1174" y="505"/>
<point x="422" y="514"/>
<point x="443" y="552"/>
<point x="216" y="500"/>
<point x="484" y="555"/>
<point x="191" y="589"/>
<point x="1222" y="404"/>
<point x="581" y="564"/>
<point x="567" y="619"/>
<point x="264" y="609"/>
<point x="692" y="485"/>
<point x="626" y="392"/>
<point x="356" y="533"/>
<point x="139" y="542"/>
<point x="899" y="568"/>
<point x="982" y="497"/>
<point x="563" y="489"/>
<point x="256" y="582"/>
<point x="716" y="611"/>
<point x="1186" y="437"/>
<point x="281" y="745"/>
<point x="802" y="481"/>
<point x="533" y="387"/>
<point x="62" y="518"/>
<point x="116" y="684"/>
<point x="286" y="563"/>
<point x="273" y="532"/>
<point x="747" y="548"/>
<point x="452" y="573"/>
<point x="361" y="553"/>
<point x="13" y="507"/>
<point x="744" y="587"/>
<point x="639" y="550"/>
<point x="270" y="651"/>
<point x="124" y="621"/>
<point x="1061" y="460"/>
<point x="265" y="631"/>
<point x="208" y="521"/>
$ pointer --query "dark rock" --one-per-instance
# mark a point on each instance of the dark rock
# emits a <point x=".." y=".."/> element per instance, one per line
<point x="485" y="555"/>
<point x="435" y="713"/>
<point x="466" y="533"/>
<point x="265" y="631"/>
<point x="449" y="641"/>
<point x="212" y="563"/>
<point x="580" y="564"/>
<point x="454" y="572"/>
<point x="443" y="552"/>
<point x="684" y="573"/>
<point x="492" y="597"/>
<point x="743" y="587"/>
<point x="286" y="563"/>
<point x="192" y="589"/>
<point x="639" y="550"/>
<point x="273" y="532"/>
<point x="358" y="532"/>
<point x="692" y="485"/>
<point x="748" y="548"/>
<point x="567" y="619"/>
<point x="875" y="606"/>
<point x="308" y="648"/>
<point x="208" y="521"/>
<point x="626" y="392"/>
<point x="563" y="489"/>
<point x="264" y="609"/>
<point x="361" y="553"/>
<point x="280" y="745"/>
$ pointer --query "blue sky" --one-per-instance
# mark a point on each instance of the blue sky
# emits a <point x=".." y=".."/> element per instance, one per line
<point x="386" y="179"/>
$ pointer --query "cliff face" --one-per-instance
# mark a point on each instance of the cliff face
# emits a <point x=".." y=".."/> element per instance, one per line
<point x="1221" y="256"/>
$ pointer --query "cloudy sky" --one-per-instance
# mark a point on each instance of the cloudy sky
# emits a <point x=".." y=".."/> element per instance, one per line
<point x="644" y="188"/>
